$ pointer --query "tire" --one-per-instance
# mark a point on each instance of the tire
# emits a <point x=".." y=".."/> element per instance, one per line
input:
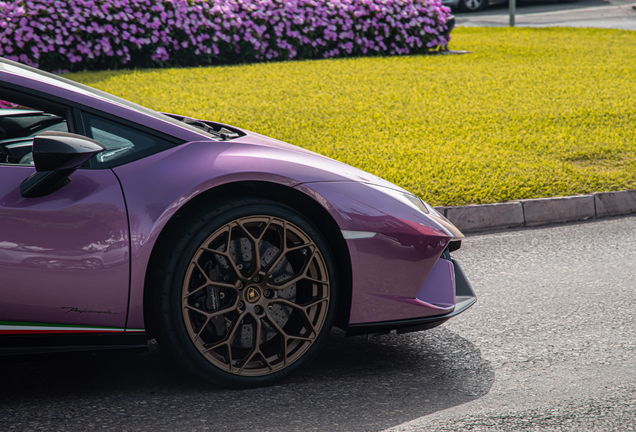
<point x="472" y="5"/>
<point x="242" y="316"/>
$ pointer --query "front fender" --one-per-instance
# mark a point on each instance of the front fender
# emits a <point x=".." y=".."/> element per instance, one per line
<point x="156" y="187"/>
<point x="393" y="258"/>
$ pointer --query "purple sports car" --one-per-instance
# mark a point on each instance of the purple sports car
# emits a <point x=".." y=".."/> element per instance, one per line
<point x="237" y="252"/>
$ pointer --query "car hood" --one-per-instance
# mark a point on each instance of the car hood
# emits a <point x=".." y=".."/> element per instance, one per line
<point x="332" y="170"/>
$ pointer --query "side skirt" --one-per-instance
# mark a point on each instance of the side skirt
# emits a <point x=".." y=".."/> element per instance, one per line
<point x="49" y="343"/>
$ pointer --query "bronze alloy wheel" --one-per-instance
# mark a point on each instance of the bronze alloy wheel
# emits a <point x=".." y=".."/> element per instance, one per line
<point x="256" y="295"/>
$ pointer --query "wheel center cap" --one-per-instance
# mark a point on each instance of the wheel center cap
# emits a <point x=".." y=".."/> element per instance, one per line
<point x="253" y="294"/>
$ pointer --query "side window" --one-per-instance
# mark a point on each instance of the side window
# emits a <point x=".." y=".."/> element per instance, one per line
<point x="19" y="124"/>
<point x="123" y="143"/>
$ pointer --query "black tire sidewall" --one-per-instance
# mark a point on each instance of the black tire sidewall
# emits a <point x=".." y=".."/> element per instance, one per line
<point x="172" y="329"/>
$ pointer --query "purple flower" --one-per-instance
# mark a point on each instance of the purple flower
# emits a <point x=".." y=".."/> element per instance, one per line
<point x="92" y="34"/>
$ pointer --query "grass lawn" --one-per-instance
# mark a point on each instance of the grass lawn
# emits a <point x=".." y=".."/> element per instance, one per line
<point x="531" y="113"/>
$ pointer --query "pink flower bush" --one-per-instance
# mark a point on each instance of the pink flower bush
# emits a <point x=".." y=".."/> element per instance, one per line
<point x="101" y="34"/>
<point x="5" y="105"/>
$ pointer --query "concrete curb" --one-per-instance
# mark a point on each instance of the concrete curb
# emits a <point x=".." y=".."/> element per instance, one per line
<point x="541" y="211"/>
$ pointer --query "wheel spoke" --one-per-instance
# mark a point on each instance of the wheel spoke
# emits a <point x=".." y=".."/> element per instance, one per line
<point x="217" y="345"/>
<point x="315" y="303"/>
<point x="256" y="239"/>
<point x="267" y="363"/>
<point x="215" y="284"/>
<point x="247" y="360"/>
<point x="293" y="248"/>
<point x="205" y="324"/>
<point x="228" y="259"/>
<point x="188" y="294"/>
<point x="256" y="333"/>
<point x="284" y="334"/>
<point x="197" y="310"/>
<point x="269" y="222"/>
<point x="256" y="340"/>
<point x="290" y="304"/>
<point x="229" y="237"/>
<point x="302" y="275"/>
<point x="318" y="281"/>
<point x="226" y="254"/>
<point x="256" y="253"/>
<point x="301" y="338"/>
<point x="256" y="258"/>
<point x="281" y="253"/>
<point x="302" y="309"/>
<point x="198" y="267"/>
<point x="215" y="313"/>
<point x="229" y="337"/>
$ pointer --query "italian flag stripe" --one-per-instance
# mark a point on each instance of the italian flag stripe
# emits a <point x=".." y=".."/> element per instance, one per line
<point x="13" y="327"/>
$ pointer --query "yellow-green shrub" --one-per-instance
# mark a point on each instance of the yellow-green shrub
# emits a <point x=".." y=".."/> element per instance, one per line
<point x="531" y="113"/>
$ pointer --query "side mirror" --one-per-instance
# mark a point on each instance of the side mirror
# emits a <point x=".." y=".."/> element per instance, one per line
<point x="57" y="155"/>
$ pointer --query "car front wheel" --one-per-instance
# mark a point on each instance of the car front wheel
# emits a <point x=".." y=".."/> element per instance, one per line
<point x="248" y="295"/>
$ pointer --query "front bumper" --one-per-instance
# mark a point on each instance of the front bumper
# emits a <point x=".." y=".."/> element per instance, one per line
<point x="464" y="298"/>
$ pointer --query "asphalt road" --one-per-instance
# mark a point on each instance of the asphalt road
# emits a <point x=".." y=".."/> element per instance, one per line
<point x="550" y="345"/>
<point x="556" y="322"/>
<point x="616" y="14"/>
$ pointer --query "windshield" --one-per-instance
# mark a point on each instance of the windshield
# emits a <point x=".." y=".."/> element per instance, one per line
<point x="48" y="78"/>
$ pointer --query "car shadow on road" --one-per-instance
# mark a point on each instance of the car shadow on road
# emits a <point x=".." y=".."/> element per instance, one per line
<point x="361" y="384"/>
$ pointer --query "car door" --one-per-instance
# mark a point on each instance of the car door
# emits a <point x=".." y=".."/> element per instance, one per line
<point x="64" y="257"/>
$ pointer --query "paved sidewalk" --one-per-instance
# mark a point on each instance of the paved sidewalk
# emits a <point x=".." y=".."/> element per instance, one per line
<point x="615" y="16"/>
<point x="540" y="211"/>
